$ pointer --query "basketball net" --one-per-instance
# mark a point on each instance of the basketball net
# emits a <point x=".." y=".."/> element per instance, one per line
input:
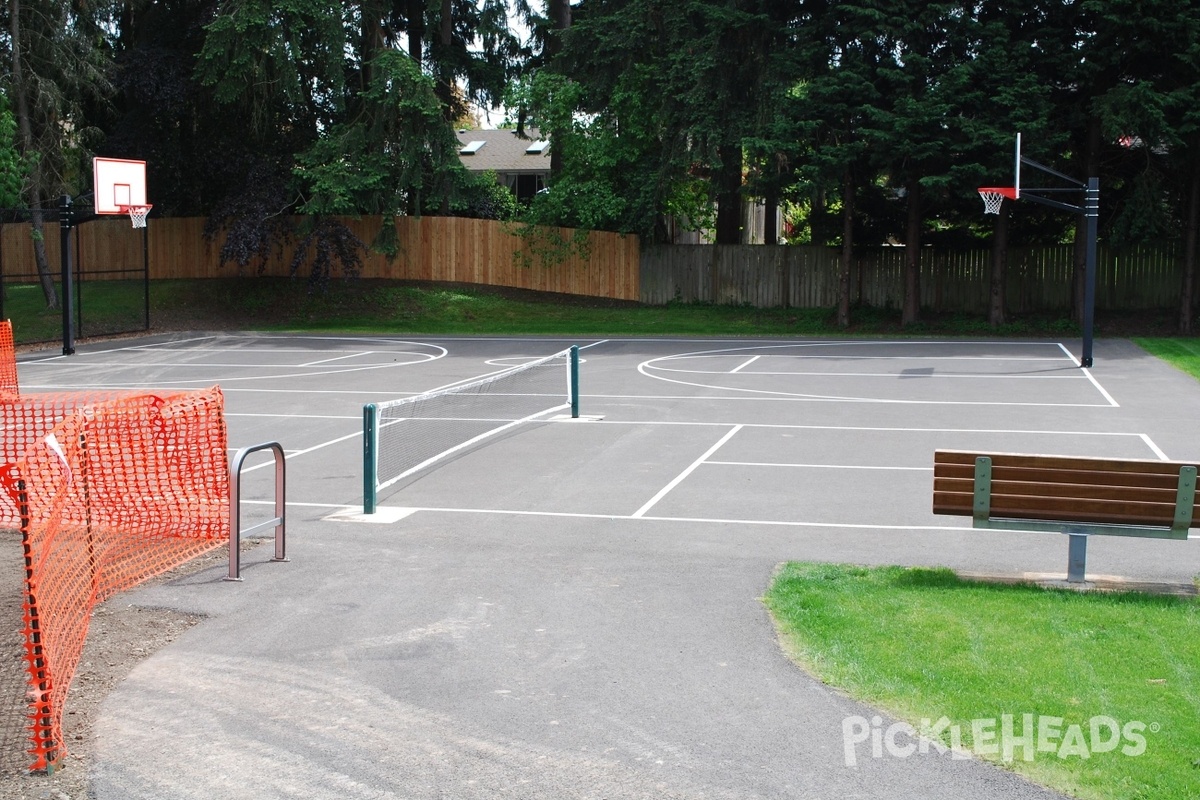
<point x="993" y="197"/>
<point x="138" y="215"/>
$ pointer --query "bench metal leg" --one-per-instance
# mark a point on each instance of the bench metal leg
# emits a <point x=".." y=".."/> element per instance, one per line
<point x="1077" y="557"/>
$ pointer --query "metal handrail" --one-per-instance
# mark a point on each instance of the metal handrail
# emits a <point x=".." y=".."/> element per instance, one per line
<point x="235" y="510"/>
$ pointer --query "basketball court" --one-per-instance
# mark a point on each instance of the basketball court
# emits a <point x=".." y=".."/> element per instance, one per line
<point x="571" y="608"/>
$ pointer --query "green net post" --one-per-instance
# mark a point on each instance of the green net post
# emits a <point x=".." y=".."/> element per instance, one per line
<point x="370" y="440"/>
<point x="574" y="381"/>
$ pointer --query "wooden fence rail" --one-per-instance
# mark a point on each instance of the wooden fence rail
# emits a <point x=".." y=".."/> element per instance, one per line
<point x="1038" y="278"/>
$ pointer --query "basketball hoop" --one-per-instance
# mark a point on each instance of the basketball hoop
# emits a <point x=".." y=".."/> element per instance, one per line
<point x="993" y="197"/>
<point x="137" y="214"/>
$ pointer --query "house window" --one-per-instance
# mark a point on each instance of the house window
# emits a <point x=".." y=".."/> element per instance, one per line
<point x="526" y="186"/>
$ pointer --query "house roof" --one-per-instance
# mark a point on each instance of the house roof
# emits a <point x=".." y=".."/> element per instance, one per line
<point x="501" y="151"/>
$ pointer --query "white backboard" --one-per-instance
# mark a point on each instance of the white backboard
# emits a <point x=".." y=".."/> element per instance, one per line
<point x="117" y="184"/>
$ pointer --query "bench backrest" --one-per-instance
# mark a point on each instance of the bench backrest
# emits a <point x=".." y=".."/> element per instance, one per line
<point x="1062" y="488"/>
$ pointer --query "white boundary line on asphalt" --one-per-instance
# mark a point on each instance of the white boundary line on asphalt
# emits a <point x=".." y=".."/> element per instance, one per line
<point x="691" y="468"/>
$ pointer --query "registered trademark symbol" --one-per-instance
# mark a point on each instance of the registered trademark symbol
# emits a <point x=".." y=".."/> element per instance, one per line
<point x="1155" y="727"/>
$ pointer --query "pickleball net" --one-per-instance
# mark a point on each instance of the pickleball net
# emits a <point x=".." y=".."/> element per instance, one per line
<point x="406" y="436"/>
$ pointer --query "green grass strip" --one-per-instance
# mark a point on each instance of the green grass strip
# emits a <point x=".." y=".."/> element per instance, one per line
<point x="921" y="644"/>
<point x="1183" y="353"/>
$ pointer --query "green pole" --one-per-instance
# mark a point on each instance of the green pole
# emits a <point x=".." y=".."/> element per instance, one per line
<point x="370" y="415"/>
<point x="574" y="381"/>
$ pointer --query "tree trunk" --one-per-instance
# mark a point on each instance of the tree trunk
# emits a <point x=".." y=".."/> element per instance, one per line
<point x="28" y="148"/>
<point x="416" y="30"/>
<point x="771" y="216"/>
<point x="817" y="224"/>
<point x="729" y="195"/>
<point x="843" y="312"/>
<point x="996" y="301"/>
<point x="1187" y="294"/>
<point x="560" y="19"/>
<point x="445" y="84"/>
<point x="911" y="312"/>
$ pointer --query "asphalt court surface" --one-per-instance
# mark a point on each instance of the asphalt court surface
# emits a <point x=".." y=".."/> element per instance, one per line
<point x="510" y="621"/>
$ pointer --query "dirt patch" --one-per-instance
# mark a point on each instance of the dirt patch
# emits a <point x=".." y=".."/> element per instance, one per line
<point x="120" y="636"/>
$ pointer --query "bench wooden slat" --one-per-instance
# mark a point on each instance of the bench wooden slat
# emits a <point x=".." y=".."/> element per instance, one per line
<point x="1062" y="462"/>
<point x="1165" y="481"/>
<point x="1079" y="491"/>
<point x="1113" y="512"/>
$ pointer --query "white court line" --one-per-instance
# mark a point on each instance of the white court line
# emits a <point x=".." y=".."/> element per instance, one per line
<point x="743" y="365"/>
<point x="337" y="358"/>
<point x="225" y="390"/>
<point x="795" y="397"/>
<point x="223" y="379"/>
<point x="106" y="351"/>
<point x="679" y="478"/>
<point x="583" y="515"/>
<point x="340" y="506"/>
<point x="687" y="520"/>
<point x="309" y="350"/>
<point x="880" y="428"/>
<point x="890" y="375"/>
<point x="1150" y="443"/>
<point x="1090" y="376"/>
<point x="295" y="416"/>
<point x="1096" y="383"/>
<point x="840" y="357"/>
<point x="356" y="434"/>
<point x="814" y="466"/>
<point x="264" y="337"/>
<point x="137" y="365"/>
<point x="651" y="369"/>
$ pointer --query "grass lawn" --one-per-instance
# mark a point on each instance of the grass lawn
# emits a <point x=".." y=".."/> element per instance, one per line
<point x="1184" y="353"/>
<point x="403" y="308"/>
<point x="394" y="307"/>
<point x="102" y="307"/>
<point x="923" y="644"/>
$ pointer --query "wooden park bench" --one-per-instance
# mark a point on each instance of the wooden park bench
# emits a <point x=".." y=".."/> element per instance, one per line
<point x="1077" y="496"/>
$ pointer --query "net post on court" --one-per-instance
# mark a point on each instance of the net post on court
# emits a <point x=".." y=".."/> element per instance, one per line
<point x="405" y="436"/>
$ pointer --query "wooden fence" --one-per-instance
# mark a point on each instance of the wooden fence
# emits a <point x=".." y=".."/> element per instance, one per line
<point x="448" y="249"/>
<point x="609" y="265"/>
<point x="1038" y="279"/>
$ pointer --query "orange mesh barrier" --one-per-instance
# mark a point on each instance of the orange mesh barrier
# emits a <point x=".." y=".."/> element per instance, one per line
<point x="116" y="492"/>
<point x="25" y="421"/>
<point x="8" y="359"/>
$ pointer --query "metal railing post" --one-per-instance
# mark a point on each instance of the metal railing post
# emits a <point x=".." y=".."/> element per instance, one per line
<point x="235" y="510"/>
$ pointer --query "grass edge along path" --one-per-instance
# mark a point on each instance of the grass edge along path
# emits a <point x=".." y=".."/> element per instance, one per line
<point x="1109" y="684"/>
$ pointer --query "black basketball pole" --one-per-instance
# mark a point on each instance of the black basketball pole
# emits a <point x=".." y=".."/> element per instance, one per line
<point x="65" y="223"/>
<point x="1091" y="210"/>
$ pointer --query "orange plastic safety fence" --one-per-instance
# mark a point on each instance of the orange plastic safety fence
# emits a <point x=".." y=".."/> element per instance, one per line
<point x="8" y="359"/>
<point x="116" y="491"/>
<point x="25" y="421"/>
